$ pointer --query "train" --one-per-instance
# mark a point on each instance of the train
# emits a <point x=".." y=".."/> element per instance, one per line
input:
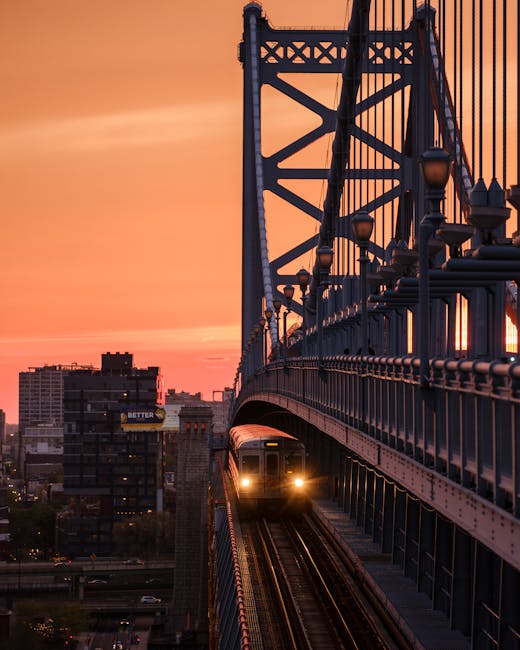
<point x="267" y="468"/>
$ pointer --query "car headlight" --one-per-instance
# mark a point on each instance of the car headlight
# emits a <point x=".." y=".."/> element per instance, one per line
<point x="245" y="482"/>
<point x="298" y="482"/>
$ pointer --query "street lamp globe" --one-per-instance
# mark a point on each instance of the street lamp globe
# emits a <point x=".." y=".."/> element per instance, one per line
<point x="325" y="256"/>
<point x="303" y="276"/>
<point x="277" y="304"/>
<point x="363" y="224"/>
<point x="435" y="164"/>
<point x="288" y="292"/>
<point x="268" y="314"/>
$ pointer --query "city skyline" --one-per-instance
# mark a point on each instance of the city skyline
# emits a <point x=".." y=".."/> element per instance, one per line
<point x="121" y="171"/>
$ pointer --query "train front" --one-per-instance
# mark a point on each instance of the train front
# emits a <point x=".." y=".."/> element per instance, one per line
<point x="274" y="477"/>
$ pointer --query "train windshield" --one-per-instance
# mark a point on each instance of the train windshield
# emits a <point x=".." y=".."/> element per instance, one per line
<point x="271" y="464"/>
<point x="251" y="464"/>
<point x="293" y="463"/>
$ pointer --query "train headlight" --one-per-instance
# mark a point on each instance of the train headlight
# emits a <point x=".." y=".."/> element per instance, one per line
<point x="245" y="482"/>
<point x="298" y="482"/>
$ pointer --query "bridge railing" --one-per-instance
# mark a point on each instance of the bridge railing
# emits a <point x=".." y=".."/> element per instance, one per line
<point x="466" y="426"/>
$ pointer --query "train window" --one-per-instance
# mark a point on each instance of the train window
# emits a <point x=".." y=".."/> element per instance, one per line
<point x="251" y="464"/>
<point x="293" y="463"/>
<point x="271" y="464"/>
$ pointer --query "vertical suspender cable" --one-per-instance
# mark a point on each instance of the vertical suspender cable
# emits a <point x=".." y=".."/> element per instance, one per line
<point x="456" y="139"/>
<point x="481" y="73"/>
<point x="392" y="113"/>
<point x="518" y="106"/>
<point x="356" y="45"/>
<point x="402" y="161"/>
<point x="374" y="121"/>
<point x="442" y="45"/>
<point x="518" y="165"/>
<point x="504" y="99"/>
<point x="494" y="85"/>
<point x="383" y="137"/>
<point x="461" y="96"/>
<point x="446" y="111"/>
<point x="473" y="87"/>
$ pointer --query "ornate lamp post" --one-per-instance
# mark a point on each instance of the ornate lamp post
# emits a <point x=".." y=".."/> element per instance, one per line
<point x="435" y="166"/>
<point x="325" y="255"/>
<point x="363" y="225"/>
<point x="303" y="276"/>
<point x="288" y="292"/>
<point x="262" y="321"/>
<point x="268" y="313"/>
<point x="277" y="304"/>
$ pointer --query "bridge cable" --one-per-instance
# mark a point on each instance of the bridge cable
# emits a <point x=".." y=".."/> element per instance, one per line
<point x="266" y="271"/>
<point x="494" y="89"/>
<point x="504" y="98"/>
<point x="356" y="44"/>
<point x="481" y="68"/>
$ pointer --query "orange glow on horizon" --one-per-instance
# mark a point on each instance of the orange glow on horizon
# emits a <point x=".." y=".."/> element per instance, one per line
<point x="120" y="166"/>
<point x="121" y="175"/>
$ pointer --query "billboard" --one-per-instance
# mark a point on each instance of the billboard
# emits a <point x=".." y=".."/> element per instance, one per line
<point x="142" y="418"/>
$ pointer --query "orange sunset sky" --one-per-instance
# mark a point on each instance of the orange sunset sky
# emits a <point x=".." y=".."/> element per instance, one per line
<point x="120" y="169"/>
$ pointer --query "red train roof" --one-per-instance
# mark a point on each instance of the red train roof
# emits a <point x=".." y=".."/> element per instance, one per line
<point x="250" y="432"/>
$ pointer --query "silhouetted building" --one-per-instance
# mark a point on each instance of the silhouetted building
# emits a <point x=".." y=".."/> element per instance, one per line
<point x="3" y="428"/>
<point x="40" y="398"/>
<point x="113" y="451"/>
<point x="182" y="397"/>
<point x="40" y="404"/>
<point x="190" y="592"/>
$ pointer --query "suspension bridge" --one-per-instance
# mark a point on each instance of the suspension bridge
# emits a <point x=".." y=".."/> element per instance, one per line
<point x="381" y="265"/>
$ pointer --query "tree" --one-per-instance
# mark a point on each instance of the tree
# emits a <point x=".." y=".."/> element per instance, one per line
<point x="32" y="527"/>
<point x="146" y="536"/>
<point x="42" y="624"/>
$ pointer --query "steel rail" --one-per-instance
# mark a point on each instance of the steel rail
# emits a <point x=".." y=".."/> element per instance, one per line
<point x="282" y="587"/>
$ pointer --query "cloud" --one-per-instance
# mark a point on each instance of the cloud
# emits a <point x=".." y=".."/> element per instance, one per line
<point x="205" y="338"/>
<point x="125" y="130"/>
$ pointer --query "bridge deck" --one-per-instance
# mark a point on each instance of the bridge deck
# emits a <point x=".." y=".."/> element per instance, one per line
<point x="425" y="627"/>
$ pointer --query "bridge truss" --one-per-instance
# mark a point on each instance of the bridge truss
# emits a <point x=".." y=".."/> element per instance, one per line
<point x="434" y="410"/>
<point x="404" y="88"/>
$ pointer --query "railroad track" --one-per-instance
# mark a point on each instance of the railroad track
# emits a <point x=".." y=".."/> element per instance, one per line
<point x="306" y="595"/>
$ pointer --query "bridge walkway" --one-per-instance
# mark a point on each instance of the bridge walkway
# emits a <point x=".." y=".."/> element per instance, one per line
<point x="411" y="610"/>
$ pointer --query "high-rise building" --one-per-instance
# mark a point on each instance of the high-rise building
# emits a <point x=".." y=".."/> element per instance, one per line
<point x="41" y="396"/>
<point x="3" y="428"/>
<point x="113" y="451"/>
<point x="42" y="453"/>
<point x="40" y="403"/>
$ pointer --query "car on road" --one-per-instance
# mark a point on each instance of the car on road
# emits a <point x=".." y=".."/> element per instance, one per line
<point x="97" y="581"/>
<point x="150" y="600"/>
<point x="133" y="561"/>
<point x="62" y="564"/>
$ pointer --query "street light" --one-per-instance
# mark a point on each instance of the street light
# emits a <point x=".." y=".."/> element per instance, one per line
<point x="303" y="276"/>
<point x="277" y="304"/>
<point x="435" y="166"/>
<point x="268" y="313"/>
<point x="262" y="321"/>
<point x="325" y="255"/>
<point x="363" y="225"/>
<point x="288" y="292"/>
